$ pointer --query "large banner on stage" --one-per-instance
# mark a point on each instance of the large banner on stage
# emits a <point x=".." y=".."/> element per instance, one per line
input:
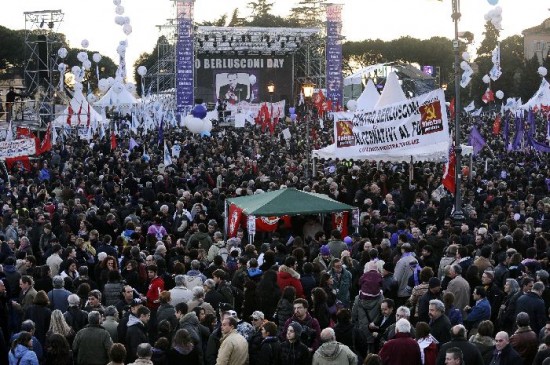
<point x="243" y="78"/>
<point x="416" y="127"/>
<point x="18" y="147"/>
<point x="184" y="56"/>
<point x="334" y="55"/>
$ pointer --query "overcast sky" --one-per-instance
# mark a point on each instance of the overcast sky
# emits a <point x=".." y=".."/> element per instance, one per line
<point x="362" y="19"/>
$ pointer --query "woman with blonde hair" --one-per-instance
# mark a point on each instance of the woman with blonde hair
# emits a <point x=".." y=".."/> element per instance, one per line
<point x="59" y="325"/>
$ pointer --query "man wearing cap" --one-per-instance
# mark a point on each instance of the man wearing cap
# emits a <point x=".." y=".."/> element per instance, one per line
<point x="389" y="284"/>
<point x="58" y="295"/>
<point x="130" y="314"/>
<point x="255" y="340"/>
<point x="434" y="292"/>
<point x="293" y="351"/>
<point x="54" y="261"/>
<point x="324" y="260"/>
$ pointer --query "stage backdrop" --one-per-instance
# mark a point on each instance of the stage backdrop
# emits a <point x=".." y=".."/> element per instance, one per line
<point x="238" y="78"/>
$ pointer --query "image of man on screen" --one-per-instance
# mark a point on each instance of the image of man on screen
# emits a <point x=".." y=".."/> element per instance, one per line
<point x="233" y="92"/>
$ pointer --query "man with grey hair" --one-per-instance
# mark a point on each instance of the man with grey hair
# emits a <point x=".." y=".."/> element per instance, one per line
<point x="110" y="322"/>
<point x="459" y="287"/>
<point x="217" y="248"/>
<point x="74" y="316"/>
<point x="180" y="293"/>
<point x="58" y="295"/>
<point x="402" y="349"/>
<point x="440" y="324"/>
<point x="92" y="343"/>
<point x="144" y="353"/>
<point x="472" y="354"/>
<point x="533" y="304"/>
<point x="401" y="312"/>
<point x="332" y="351"/>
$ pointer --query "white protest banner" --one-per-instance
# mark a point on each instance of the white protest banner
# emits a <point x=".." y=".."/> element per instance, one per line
<point x="416" y="128"/>
<point x="18" y="148"/>
<point x="286" y="133"/>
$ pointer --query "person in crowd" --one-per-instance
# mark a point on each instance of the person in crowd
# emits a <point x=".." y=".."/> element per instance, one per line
<point x="91" y="344"/>
<point x="481" y="311"/>
<point x="524" y="340"/>
<point x="293" y="351"/>
<point x="117" y="354"/>
<point x="136" y="333"/>
<point x="21" y="352"/>
<point x="440" y="324"/>
<point x="484" y="340"/>
<point x="472" y="355"/>
<point x="270" y="350"/>
<point x="504" y="353"/>
<point x="233" y="346"/>
<point x="332" y="351"/>
<point x="57" y="351"/>
<point x="58" y="295"/>
<point x="144" y="352"/>
<point x="402" y="348"/>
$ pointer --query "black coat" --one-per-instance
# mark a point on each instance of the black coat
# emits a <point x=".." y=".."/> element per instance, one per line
<point x="270" y="351"/>
<point x="533" y="305"/>
<point x="509" y="356"/>
<point x="440" y="328"/>
<point x="135" y="335"/>
<point x="294" y="353"/>
<point x="472" y="355"/>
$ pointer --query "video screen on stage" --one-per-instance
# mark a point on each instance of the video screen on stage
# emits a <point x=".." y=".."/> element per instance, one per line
<point x="242" y="78"/>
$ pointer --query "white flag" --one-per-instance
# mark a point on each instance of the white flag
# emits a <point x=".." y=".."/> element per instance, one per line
<point x="167" y="157"/>
<point x="466" y="78"/>
<point x="9" y="134"/>
<point x="470" y="107"/>
<point x="477" y="113"/>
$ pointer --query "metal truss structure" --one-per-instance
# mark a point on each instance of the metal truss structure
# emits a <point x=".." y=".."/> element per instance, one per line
<point x="41" y="44"/>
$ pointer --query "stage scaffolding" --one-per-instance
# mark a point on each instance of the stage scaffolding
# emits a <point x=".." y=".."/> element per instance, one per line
<point x="306" y="45"/>
<point x="41" y="45"/>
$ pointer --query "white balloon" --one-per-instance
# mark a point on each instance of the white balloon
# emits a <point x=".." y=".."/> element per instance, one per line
<point x="62" y="52"/>
<point x="195" y="125"/>
<point x="82" y="56"/>
<point x="486" y="79"/>
<point x="207" y="125"/>
<point x="142" y="70"/>
<point x="126" y="20"/>
<point x="121" y="50"/>
<point x="252" y="79"/>
<point x="352" y="105"/>
<point x="87" y="64"/>
<point x="75" y="70"/>
<point x="61" y="67"/>
<point x="487" y="17"/>
<point x="127" y="29"/>
<point x="85" y="43"/>
<point x="117" y="87"/>
<point x="464" y="65"/>
<point x="91" y="98"/>
<point x="498" y="10"/>
<point x="103" y="85"/>
<point x="119" y="20"/>
<point x="110" y="81"/>
<point x="186" y="119"/>
<point x="499" y="94"/>
<point x="116" y="2"/>
<point x="96" y="57"/>
<point x="466" y="56"/>
<point x="119" y="10"/>
<point x="542" y="71"/>
<point x="131" y="87"/>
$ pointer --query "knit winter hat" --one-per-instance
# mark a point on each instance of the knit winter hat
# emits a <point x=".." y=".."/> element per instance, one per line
<point x="297" y="328"/>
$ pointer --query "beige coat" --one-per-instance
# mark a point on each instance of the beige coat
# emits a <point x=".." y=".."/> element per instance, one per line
<point x="233" y="350"/>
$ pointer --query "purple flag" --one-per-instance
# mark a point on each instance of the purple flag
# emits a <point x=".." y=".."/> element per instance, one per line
<point x="519" y="134"/>
<point x="531" y="121"/>
<point x="540" y="147"/>
<point x="476" y="140"/>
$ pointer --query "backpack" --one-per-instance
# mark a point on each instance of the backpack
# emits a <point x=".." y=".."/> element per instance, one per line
<point x="192" y="281"/>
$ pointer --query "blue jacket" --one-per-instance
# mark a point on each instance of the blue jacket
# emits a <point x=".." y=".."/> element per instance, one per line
<point x="27" y="356"/>
<point x="480" y="312"/>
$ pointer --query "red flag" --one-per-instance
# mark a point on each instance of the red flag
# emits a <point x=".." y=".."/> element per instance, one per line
<point x="270" y="224"/>
<point x="449" y="173"/>
<point x="452" y="108"/>
<point x="70" y="115"/>
<point x="113" y="140"/>
<point x="496" y="125"/>
<point x="488" y="96"/>
<point x="340" y="222"/>
<point x="46" y="144"/>
<point x="22" y="161"/>
<point x="235" y="217"/>
<point x="23" y="132"/>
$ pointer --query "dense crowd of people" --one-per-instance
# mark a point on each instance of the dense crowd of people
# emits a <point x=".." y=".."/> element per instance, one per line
<point x="111" y="257"/>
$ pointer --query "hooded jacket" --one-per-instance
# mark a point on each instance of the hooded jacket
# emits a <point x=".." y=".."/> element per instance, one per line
<point x="333" y="352"/>
<point x="27" y="356"/>
<point x="217" y="248"/>
<point x="287" y="276"/>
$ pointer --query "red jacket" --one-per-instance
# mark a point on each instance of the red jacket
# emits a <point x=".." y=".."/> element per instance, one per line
<point x="403" y="349"/>
<point x="153" y="293"/>
<point x="287" y="276"/>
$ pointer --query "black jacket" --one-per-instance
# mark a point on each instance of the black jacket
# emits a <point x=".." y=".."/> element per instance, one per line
<point x="294" y="353"/>
<point x="440" y="328"/>
<point x="472" y="355"/>
<point x="135" y="335"/>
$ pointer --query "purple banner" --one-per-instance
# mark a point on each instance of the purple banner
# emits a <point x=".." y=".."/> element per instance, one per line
<point x="334" y="55"/>
<point x="184" y="57"/>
